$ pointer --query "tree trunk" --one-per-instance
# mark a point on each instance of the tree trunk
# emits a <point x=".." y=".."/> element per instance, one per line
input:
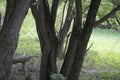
<point x="83" y="40"/>
<point x="15" y="13"/>
<point x="65" y="28"/>
<point x="45" y="28"/>
<point x="69" y="58"/>
<point x="45" y="18"/>
<point x="0" y="19"/>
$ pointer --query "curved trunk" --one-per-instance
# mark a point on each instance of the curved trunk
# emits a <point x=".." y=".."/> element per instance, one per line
<point x="15" y="13"/>
<point x="83" y="41"/>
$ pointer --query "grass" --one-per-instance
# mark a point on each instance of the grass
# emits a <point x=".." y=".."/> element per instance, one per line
<point x="28" y="39"/>
<point x="105" y="47"/>
<point x="102" y="61"/>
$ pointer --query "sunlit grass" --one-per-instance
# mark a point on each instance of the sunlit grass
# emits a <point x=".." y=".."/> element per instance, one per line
<point x="28" y="39"/>
<point x="104" y="55"/>
<point x="106" y="48"/>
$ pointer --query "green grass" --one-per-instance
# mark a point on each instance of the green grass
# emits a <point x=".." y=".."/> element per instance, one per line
<point x="28" y="39"/>
<point x="102" y="61"/>
<point x="103" y="57"/>
<point x="106" y="48"/>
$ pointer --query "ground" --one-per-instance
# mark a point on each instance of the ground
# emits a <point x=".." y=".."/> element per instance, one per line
<point x="102" y="61"/>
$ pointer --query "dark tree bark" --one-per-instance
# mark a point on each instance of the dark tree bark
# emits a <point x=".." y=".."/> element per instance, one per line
<point x="15" y="13"/>
<point x="0" y="19"/>
<point x="43" y="37"/>
<point x="83" y="39"/>
<point x="65" y="28"/>
<point x="45" y="18"/>
<point x="77" y="27"/>
<point x="48" y="40"/>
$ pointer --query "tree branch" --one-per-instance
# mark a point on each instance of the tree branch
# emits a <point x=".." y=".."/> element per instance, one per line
<point x="63" y="32"/>
<point x="54" y="11"/>
<point x="63" y="13"/>
<point x="67" y="23"/>
<point x="34" y="8"/>
<point x="78" y="14"/>
<point x="107" y="16"/>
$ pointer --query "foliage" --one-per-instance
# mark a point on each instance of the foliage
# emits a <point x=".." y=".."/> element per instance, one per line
<point x="57" y="76"/>
<point x="2" y="6"/>
<point x="115" y="2"/>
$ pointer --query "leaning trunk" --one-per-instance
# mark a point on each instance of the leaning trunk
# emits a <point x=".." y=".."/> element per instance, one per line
<point x="83" y="41"/>
<point x="15" y="14"/>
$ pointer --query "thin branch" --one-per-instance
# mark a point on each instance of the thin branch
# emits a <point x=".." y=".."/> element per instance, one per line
<point x="118" y="21"/>
<point x="34" y="8"/>
<point x="85" y="9"/>
<point x="63" y="13"/>
<point x="107" y="16"/>
<point x="88" y="48"/>
<point x="0" y="20"/>
<point x="54" y="11"/>
<point x="66" y="44"/>
<point x="67" y="23"/>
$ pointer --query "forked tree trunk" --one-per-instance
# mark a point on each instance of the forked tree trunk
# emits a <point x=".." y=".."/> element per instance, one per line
<point x="45" y="21"/>
<point x="45" y="24"/>
<point x="15" y="13"/>
<point x="72" y="47"/>
<point x="83" y="40"/>
<point x="65" y="28"/>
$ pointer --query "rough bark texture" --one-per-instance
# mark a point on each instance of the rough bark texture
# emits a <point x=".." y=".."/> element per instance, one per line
<point x="83" y="40"/>
<point x="65" y="28"/>
<point x="73" y="41"/>
<point x="15" y="13"/>
<point x="43" y="37"/>
<point x="45" y="20"/>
